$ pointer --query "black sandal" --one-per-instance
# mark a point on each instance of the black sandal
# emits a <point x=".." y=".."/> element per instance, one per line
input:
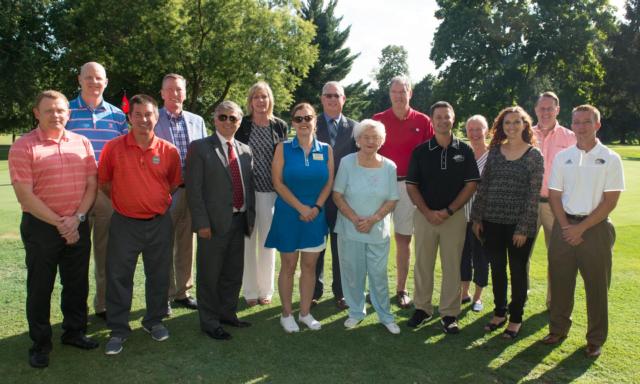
<point x="490" y="327"/>
<point x="509" y="334"/>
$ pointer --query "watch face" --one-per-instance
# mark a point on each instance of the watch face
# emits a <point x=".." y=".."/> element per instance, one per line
<point x="82" y="217"/>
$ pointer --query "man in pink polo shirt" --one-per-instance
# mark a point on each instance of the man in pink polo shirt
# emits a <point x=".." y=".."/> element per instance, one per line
<point x="551" y="138"/>
<point x="406" y="129"/>
<point x="53" y="172"/>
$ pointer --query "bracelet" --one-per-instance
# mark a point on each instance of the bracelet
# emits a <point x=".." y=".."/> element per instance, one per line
<point x="317" y="206"/>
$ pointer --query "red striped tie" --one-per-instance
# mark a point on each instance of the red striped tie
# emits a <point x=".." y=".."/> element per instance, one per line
<point x="236" y="180"/>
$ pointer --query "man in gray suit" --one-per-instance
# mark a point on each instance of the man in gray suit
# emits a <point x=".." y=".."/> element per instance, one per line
<point x="337" y="130"/>
<point x="180" y="128"/>
<point x="220" y="193"/>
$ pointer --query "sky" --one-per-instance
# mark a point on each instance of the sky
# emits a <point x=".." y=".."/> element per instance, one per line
<point x="378" y="23"/>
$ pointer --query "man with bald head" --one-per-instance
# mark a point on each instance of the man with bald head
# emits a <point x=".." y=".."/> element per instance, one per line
<point x="98" y="121"/>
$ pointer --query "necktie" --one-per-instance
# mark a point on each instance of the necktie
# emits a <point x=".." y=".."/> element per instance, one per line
<point x="236" y="180"/>
<point x="333" y="131"/>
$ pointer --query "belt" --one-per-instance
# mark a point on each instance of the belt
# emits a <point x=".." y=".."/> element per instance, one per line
<point x="576" y="217"/>
<point x="402" y="178"/>
<point x="181" y="185"/>
<point x="544" y="199"/>
<point x="239" y="213"/>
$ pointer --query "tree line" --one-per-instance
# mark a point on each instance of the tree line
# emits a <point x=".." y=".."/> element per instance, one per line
<point x="489" y="54"/>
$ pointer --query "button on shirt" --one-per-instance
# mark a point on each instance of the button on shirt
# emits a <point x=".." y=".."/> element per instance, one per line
<point x="441" y="173"/>
<point x="556" y="140"/>
<point x="583" y="177"/>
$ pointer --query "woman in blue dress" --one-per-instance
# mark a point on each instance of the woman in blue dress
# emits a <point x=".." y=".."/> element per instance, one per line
<point x="302" y="173"/>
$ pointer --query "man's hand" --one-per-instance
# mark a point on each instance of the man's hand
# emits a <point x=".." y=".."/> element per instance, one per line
<point x="572" y="234"/>
<point x="432" y="217"/>
<point x="72" y="237"/>
<point x="204" y="233"/>
<point x="67" y="224"/>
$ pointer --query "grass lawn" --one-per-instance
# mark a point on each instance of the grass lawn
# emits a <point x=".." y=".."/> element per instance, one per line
<point x="263" y="353"/>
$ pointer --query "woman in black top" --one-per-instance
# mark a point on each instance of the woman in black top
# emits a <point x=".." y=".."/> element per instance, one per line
<point x="505" y="212"/>
<point x="262" y="132"/>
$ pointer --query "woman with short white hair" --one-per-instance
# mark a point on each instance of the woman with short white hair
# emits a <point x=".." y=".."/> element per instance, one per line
<point x="365" y="192"/>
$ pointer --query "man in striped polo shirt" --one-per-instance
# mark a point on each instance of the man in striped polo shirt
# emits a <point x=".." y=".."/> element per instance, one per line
<point x="99" y="121"/>
<point x="53" y="172"/>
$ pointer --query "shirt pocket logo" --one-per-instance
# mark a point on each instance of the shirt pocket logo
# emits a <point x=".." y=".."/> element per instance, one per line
<point x="458" y="158"/>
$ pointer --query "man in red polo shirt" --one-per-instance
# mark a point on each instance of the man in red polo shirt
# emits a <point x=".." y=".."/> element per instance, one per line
<point x="139" y="171"/>
<point x="406" y="129"/>
<point x="53" y="172"/>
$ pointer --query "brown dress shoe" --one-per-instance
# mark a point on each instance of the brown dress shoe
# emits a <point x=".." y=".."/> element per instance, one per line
<point x="593" y="350"/>
<point x="552" y="339"/>
<point x="341" y="304"/>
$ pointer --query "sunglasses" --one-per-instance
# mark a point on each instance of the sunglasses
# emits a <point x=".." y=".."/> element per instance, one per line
<point x="231" y="118"/>
<point x="331" y="95"/>
<point x="300" y="119"/>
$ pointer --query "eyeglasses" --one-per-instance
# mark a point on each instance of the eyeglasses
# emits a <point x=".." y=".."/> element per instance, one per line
<point x="299" y="119"/>
<point x="231" y="118"/>
<point x="331" y="95"/>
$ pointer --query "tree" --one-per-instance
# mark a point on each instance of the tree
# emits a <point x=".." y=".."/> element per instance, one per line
<point x="496" y="53"/>
<point x="334" y="62"/>
<point x="620" y="96"/>
<point x="392" y="62"/>
<point x="221" y="47"/>
<point x="25" y="60"/>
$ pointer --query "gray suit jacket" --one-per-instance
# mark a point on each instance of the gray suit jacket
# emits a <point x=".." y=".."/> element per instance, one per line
<point x="195" y="126"/>
<point x="345" y="144"/>
<point x="209" y="189"/>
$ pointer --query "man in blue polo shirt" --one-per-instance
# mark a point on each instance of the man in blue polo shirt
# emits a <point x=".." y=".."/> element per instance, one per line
<point x="100" y="122"/>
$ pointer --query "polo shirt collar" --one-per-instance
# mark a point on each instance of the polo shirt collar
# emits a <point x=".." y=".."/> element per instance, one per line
<point x="433" y="143"/>
<point x="315" y="147"/>
<point x="42" y="137"/>
<point x="131" y="141"/>
<point x="84" y="105"/>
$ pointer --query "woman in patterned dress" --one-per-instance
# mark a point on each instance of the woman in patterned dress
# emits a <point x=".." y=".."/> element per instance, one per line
<point x="261" y="131"/>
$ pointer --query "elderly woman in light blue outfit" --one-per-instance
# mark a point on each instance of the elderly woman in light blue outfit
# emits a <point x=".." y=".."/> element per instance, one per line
<point x="365" y="192"/>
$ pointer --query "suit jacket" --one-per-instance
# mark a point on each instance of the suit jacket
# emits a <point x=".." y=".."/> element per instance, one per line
<point x="209" y="189"/>
<point x="195" y="126"/>
<point x="344" y="145"/>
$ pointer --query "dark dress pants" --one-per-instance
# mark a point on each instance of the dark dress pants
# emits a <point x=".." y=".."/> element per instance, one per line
<point x="500" y="251"/>
<point x="46" y="252"/>
<point x="128" y="238"/>
<point x="220" y="263"/>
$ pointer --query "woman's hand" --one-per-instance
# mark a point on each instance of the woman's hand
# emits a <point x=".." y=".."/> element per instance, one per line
<point x="519" y="240"/>
<point x="308" y="213"/>
<point x="365" y="224"/>
<point x="477" y="230"/>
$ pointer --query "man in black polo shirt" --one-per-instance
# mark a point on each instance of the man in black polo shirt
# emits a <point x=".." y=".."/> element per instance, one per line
<point x="442" y="176"/>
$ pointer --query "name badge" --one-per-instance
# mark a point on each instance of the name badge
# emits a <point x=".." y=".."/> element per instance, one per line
<point x="318" y="156"/>
<point x="155" y="160"/>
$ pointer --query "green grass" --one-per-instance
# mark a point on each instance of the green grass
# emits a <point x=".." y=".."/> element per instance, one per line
<point x="264" y="354"/>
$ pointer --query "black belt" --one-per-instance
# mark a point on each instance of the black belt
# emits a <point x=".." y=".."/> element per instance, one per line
<point x="181" y="185"/>
<point x="544" y="199"/>
<point x="576" y="217"/>
<point x="402" y="178"/>
<point x="239" y="213"/>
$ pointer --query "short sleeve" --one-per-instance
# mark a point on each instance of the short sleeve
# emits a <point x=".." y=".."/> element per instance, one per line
<point x="20" y="164"/>
<point x="90" y="161"/>
<point x="471" y="172"/>
<point x="105" y="169"/>
<point x="615" y="175"/>
<point x="413" y="174"/>
<point x="393" y="184"/>
<point x="340" y="182"/>
<point x="175" y="170"/>
<point x="556" y="180"/>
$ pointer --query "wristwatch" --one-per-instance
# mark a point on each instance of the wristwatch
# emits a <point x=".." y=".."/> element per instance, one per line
<point x="81" y="217"/>
<point x="450" y="211"/>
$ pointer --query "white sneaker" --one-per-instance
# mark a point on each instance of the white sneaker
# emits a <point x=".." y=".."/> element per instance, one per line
<point x="393" y="328"/>
<point x="310" y="322"/>
<point x="351" y="323"/>
<point x="289" y="324"/>
<point x="477" y="306"/>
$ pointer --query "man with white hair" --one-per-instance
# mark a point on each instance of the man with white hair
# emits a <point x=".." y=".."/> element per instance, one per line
<point x="406" y="129"/>
<point x="98" y="121"/>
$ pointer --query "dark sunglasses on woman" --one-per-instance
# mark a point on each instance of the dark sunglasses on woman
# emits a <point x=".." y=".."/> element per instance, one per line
<point x="299" y="119"/>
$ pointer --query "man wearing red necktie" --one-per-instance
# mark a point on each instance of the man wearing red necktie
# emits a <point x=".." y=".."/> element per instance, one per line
<point x="220" y="193"/>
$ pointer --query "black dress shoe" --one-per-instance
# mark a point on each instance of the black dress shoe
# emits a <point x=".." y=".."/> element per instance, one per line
<point x="187" y="302"/>
<point x="82" y="342"/>
<point x="102" y="315"/>
<point x="219" y="334"/>
<point x="38" y="358"/>
<point x="236" y="323"/>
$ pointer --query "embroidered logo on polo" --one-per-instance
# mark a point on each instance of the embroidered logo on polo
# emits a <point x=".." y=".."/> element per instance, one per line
<point x="600" y="161"/>
<point x="155" y="160"/>
<point x="458" y="158"/>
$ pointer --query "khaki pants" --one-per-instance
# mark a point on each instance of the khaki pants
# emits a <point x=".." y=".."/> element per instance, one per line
<point x="592" y="258"/>
<point x="546" y="220"/>
<point x="449" y="237"/>
<point x="180" y="273"/>
<point x="99" y="221"/>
